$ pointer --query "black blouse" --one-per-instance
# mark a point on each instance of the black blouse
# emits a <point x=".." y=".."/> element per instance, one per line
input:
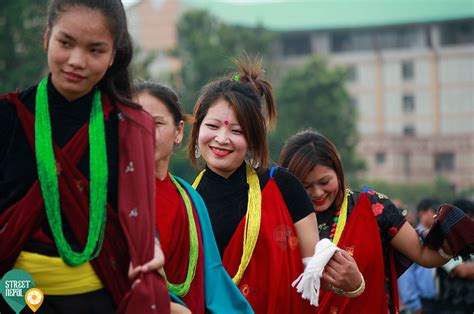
<point x="389" y="217"/>
<point x="226" y="199"/>
<point x="17" y="160"/>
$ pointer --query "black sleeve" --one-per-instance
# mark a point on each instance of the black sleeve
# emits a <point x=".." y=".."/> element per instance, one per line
<point x="389" y="217"/>
<point x="296" y="198"/>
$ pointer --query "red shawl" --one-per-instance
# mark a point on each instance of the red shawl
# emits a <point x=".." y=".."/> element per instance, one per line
<point x="22" y="221"/>
<point x="173" y="226"/>
<point x="361" y="239"/>
<point x="276" y="261"/>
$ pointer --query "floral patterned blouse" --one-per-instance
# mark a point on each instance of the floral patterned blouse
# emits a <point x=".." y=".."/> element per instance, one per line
<point x="389" y="218"/>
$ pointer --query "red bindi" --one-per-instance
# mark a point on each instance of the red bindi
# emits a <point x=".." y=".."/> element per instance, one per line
<point x="226" y="122"/>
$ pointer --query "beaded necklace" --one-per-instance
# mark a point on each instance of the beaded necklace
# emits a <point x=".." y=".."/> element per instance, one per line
<point x="339" y="221"/>
<point x="334" y="225"/>
<point x="183" y="288"/>
<point x="252" y="219"/>
<point x="48" y="178"/>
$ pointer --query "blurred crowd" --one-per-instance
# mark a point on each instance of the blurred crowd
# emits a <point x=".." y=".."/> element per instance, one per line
<point x="448" y="289"/>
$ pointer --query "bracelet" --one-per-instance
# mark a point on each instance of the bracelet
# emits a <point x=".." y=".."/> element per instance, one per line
<point x="443" y="254"/>
<point x="349" y="294"/>
<point x="421" y="233"/>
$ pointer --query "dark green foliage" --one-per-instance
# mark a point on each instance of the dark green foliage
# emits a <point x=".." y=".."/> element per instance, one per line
<point x="22" y="57"/>
<point x="314" y="96"/>
<point x="206" y="47"/>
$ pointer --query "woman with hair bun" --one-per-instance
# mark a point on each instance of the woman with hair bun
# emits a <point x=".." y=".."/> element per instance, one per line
<point x="262" y="218"/>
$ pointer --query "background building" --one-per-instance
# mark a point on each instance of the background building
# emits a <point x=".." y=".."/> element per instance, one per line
<point x="411" y="66"/>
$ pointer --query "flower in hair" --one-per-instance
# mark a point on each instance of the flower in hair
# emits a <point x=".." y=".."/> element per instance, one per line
<point x="236" y="78"/>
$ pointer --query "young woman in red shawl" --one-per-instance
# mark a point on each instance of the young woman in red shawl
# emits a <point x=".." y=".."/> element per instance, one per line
<point x="371" y="231"/>
<point x="262" y="219"/>
<point x="193" y="271"/>
<point x="77" y="205"/>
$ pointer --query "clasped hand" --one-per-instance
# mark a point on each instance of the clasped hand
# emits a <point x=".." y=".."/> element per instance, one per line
<point x="156" y="263"/>
<point x="342" y="272"/>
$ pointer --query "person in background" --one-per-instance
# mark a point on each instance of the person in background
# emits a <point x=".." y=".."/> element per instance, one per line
<point x="417" y="285"/>
<point x="193" y="269"/>
<point x="77" y="204"/>
<point x="456" y="278"/>
<point x="364" y="224"/>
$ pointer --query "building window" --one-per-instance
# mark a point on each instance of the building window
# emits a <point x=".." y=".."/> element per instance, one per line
<point x="408" y="103"/>
<point x="409" y="130"/>
<point x="444" y="162"/>
<point x="407" y="164"/>
<point x="396" y="38"/>
<point x="408" y="71"/>
<point x="456" y="33"/>
<point x="352" y="41"/>
<point x="296" y="44"/>
<point x="380" y="158"/>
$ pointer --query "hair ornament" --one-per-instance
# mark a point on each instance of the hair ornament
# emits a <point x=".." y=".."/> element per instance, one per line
<point x="236" y="78"/>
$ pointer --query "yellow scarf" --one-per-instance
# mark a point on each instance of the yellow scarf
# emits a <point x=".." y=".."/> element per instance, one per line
<point x="253" y="218"/>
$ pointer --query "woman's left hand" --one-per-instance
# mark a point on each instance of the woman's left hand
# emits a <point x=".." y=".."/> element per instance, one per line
<point x="156" y="263"/>
<point x="342" y="272"/>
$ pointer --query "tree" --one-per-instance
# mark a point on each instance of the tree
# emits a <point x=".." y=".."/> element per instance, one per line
<point x="314" y="96"/>
<point x="206" y="46"/>
<point x="141" y="63"/>
<point x="22" y="57"/>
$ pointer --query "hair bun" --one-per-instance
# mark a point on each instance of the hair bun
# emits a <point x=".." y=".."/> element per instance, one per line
<point x="250" y="72"/>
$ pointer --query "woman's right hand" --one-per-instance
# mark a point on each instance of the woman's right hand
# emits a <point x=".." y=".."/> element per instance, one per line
<point x="342" y="272"/>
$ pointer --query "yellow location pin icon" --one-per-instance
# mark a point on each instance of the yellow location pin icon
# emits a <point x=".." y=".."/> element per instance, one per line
<point x="34" y="298"/>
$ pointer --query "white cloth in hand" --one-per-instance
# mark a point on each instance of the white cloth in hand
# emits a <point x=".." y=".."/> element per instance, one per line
<point x="309" y="282"/>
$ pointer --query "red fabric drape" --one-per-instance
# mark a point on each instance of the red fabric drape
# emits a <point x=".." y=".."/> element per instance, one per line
<point x="276" y="261"/>
<point x="136" y="207"/>
<point x="361" y="239"/>
<point x="23" y="219"/>
<point x="173" y="226"/>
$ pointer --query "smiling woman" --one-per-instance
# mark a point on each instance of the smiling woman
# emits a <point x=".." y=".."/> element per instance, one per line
<point x="69" y="161"/>
<point x="262" y="218"/>
<point x="370" y="230"/>
<point x="221" y="140"/>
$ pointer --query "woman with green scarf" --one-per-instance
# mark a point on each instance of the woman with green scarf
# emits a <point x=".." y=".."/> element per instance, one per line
<point x="77" y="194"/>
